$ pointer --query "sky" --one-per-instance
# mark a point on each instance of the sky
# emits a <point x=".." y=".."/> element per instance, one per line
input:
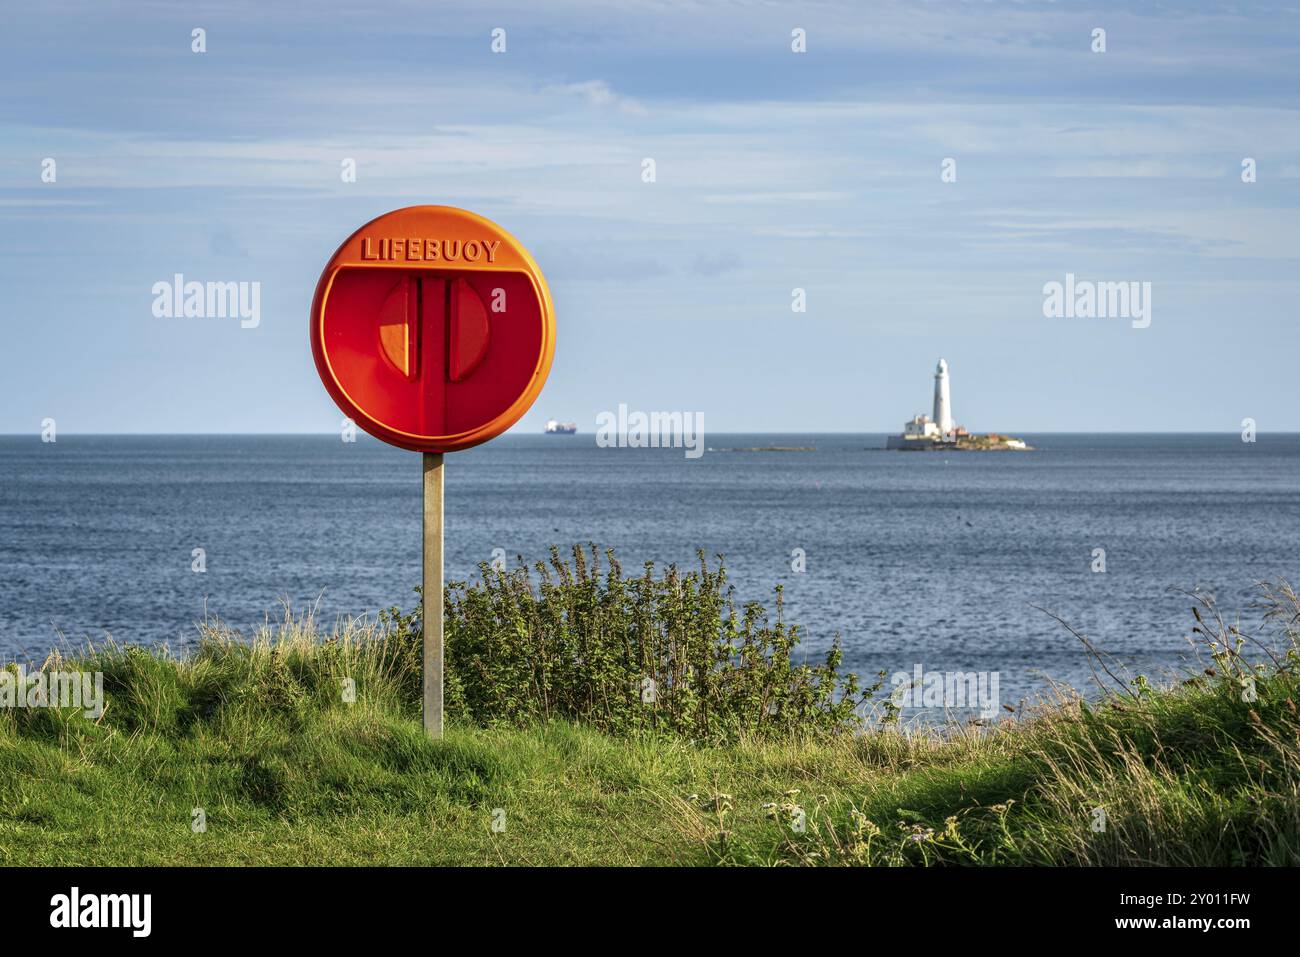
<point x="775" y="171"/>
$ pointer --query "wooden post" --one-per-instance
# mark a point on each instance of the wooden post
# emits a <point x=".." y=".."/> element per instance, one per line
<point x="432" y="588"/>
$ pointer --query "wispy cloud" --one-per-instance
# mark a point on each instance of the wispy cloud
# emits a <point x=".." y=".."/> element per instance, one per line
<point x="598" y="94"/>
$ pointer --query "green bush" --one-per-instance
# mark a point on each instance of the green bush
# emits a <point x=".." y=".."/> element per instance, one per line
<point x="667" y="652"/>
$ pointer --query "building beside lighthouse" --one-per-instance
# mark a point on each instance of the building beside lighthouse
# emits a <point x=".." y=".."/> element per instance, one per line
<point x="940" y="431"/>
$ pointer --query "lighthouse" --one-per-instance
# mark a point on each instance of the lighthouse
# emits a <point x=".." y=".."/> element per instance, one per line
<point x="942" y="399"/>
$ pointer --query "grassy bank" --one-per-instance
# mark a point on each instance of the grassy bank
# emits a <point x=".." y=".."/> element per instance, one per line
<point x="740" y="758"/>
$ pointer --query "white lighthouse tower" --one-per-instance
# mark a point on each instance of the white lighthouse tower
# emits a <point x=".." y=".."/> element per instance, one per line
<point x="942" y="399"/>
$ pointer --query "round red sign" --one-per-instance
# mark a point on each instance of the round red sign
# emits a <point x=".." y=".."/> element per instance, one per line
<point x="432" y="328"/>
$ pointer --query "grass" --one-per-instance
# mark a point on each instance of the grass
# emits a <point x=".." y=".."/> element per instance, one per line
<point x="258" y="733"/>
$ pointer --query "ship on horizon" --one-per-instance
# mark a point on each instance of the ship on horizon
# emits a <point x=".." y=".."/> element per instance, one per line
<point x="556" y="427"/>
<point x="941" y="433"/>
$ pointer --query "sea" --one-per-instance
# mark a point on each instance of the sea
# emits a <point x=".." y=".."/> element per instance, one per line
<point x="940" y="561"/>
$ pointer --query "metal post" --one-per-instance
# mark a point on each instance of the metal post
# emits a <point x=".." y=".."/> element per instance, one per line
<point x="432" y="588"/>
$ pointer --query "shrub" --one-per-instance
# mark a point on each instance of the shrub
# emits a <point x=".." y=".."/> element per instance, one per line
<point x="666" y="652"/>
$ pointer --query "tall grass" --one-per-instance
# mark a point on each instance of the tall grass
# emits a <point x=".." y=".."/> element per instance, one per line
<point x="290" y="735"/>
<point x="1204" y="771"/>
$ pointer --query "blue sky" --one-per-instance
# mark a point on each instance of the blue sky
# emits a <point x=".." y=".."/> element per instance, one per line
<point x="775" y="171"/>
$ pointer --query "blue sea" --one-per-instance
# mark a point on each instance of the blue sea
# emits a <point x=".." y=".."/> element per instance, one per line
<point x="936" y="559"/>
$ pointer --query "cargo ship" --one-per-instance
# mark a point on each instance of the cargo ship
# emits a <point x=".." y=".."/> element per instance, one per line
<point x="555" y="427"/>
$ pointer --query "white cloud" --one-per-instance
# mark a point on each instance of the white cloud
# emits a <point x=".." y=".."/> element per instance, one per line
<point x="599" y="95"/>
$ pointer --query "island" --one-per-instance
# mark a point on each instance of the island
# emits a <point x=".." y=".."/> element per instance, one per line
<point x="941" y="434"/>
